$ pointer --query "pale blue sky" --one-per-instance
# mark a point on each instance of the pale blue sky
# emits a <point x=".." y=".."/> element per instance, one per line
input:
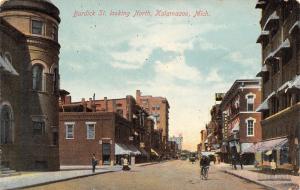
<point x="184" y="59"/>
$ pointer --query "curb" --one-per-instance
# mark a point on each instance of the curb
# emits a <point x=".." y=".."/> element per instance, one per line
<point x="76" y="177"/>
<point x="253" y="181"/>
<point x="61" y="180"/>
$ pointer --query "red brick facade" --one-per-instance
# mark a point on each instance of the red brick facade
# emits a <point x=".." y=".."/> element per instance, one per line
<point x="110" y="128"/>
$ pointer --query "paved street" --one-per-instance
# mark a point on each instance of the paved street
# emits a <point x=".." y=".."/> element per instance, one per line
<point x="169" y="175"/>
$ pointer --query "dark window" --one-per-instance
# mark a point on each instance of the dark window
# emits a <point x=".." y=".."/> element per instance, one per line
<point x="266" y="77"/>
<point x="287" y="56"/>
<point x="54" y="33"/>
<point x="55" y="138"/>
<point x="38" y="128"/>
<point x="106" y="153"/>
<point x="37" y="27"/>
<point x="287" y="8"/>
<point x="275" y="67"/>
<point x="5" y="125"/>
<point x="250" y="103"/>
<point x="55" y="81"/>
<point x="37" y="77"/>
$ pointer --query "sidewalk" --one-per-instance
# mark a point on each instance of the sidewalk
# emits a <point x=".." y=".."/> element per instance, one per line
<point x="31" y="179"/>
<point x="274" y="182"/>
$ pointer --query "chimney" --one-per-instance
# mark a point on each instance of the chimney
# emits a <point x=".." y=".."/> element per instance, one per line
<point x="138" y="96"/>
<point x="67" y="100"/>
<point x="129" y="106"/>
<point x="84" y="104"/>
<point x="114" y="106"/>
<point x="105" y="104"/>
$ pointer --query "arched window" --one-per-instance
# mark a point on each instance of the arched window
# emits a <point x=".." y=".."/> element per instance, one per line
<point x="6" y="121"/>
<point x="37" y="77"/>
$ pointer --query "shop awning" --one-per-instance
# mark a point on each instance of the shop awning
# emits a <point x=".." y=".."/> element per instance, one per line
<point x="263" y="35"/>
<point x="245" y="146"/>
<point x="264" y="105"/>
<point x="6" y="66"/>
<point x="154" y="152"/>
<point x="272" y="18"/>
<point x="133" y="150"/>
<point x="144" y="152"/>
<point x="121" y="149"/>
<point x="267" y="145"/>
<point x="295" y="27"/>
<point x="262" y="71"/>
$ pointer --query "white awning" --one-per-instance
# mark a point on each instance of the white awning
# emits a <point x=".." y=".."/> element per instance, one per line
<point x="207" y="153"/>
<point x="264" y="105"/>
<point x="6" y="66"/>
<point x="133" y="150"/>
<point x="267" y="145"/>
<point x="121" y="149"/>
<point x="294" y="27"/>
<point x="263" y="34"/>
<point x="154" y="152"/>
<point x="245" y="147"/>
<point x="263" y="70"/>
<point x="272" y="17"/>
<point x="283" y="46"/>
<point x="294" y="84"/>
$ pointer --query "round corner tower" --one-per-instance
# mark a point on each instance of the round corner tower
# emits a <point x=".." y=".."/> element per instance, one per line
<point x="36" y="136"/>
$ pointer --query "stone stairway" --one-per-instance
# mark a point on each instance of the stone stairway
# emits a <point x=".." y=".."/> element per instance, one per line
<point x="6" y="172"/>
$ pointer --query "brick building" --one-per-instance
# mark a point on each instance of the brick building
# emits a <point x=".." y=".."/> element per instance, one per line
<point x="158" y="108"/>
<point x="117" y="113"/>
<point x="29" y="84"/>
<point x="85" y="133"/>
<point x="280" y="23"/>
<point x="241" y="121"/>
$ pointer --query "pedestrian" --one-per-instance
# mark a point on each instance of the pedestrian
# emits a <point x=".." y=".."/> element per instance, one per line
<point x="122" y="161"/>
<point x="241" y="161"/>
<point x="125" y="164"/>
<point x="273" y="166"/>
<point x="234" y="161"/>
<point x="94" y="163"/>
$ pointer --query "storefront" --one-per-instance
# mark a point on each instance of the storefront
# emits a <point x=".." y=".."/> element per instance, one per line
<point x="275" y="150"/>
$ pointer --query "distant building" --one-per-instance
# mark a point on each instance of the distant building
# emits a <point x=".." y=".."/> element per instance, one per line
<point x="158" y="107"/>
<point x="178" y="140"/>
<point x="29" y="84"/>
<point x="280" y="72"/>
<point x="241" y="121"/>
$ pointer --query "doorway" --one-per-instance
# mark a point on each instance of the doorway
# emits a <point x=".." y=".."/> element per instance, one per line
<point x="106" y="153"/>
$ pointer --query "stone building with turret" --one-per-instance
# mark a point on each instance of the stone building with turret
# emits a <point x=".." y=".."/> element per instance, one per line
<point x="29" y="85"/>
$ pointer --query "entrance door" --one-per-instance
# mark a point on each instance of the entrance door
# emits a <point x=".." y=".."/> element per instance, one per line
<point x="106" y="153"/>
